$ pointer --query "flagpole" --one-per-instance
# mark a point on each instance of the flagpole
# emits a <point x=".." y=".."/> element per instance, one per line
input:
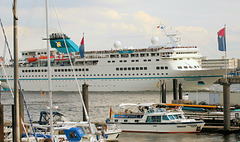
<point x="225" y="55"/>
<point x="84" y="67"/>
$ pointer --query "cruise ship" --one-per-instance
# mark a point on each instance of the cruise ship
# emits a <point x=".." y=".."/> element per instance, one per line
<point x="110" y="70"/>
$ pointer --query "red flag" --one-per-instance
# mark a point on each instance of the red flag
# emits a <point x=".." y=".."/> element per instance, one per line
<point x="43" y="93"/>
<point x="111" y="112"/>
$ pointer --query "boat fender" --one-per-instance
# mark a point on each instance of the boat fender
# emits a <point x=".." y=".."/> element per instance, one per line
<point x="107" y="120"/>
<point x="236" y="115"/>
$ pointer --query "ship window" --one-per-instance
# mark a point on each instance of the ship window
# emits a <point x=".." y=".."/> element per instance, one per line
<point x="137" y="68"/>
<point x="76" y="69"/>
<point x="105" y="74"/>
<point x="109" y="61"/>
<point x="113" y="61"/>
<point x="141" y="68"/>
<point x="176" y="117"/>
<point x="149" y="73"/>
<point x="145" y="68"/>
<point x="171" y="117"/>
<point x="166" y="67"/>
<point x="145" y="60"/>
<point x="87" y="69"/>
<point x="121" y="69"/>
<point x="132" y="60"/>
<point x="133" y="68"/>
<point x="82" y="69"/>
<point x="166" y="73"/>
<point x="185" y="67"/>
<point x="125" y="68"/>
<point x="149" y="60"/>
<point x="22" y="70"/>
<point x="116" y="120"/>
<point x="162" y="68"/>
<point x="79" y="69"/>
<point x="125" y="60"/>
<point x="117" y="69"/>
<point x="162" y="74"/>
<point x="136" y="121"/>
<point x="125" y="120"/>
<point x="120" y="61"/>
<point x="157" y="68"/>
<point x="165" y="117"/>
<point x="157" y="59"/>
<point x="157" y="73"/>
<point x="179" y="67"/>
<point x="174" y="59"/>
<point x="65" y="70"/>
<point x="129" y="68"/>
<point x="32" y="70"/>
<point x="137" y="60"/>
<point x="180" y="58"/>
<point x="190" y="67"/>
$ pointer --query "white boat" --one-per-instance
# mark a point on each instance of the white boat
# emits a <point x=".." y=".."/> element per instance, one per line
<point x="113" y="70"/>
<point x="151" y="118"/>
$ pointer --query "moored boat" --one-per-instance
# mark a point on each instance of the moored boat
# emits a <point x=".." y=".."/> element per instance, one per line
<point x="152" y="118"/>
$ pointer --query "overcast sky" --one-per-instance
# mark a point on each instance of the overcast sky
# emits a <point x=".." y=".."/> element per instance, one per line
<point x="132" y="22"/>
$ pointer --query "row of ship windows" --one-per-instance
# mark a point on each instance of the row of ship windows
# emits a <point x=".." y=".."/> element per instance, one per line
<point x="56" y="70"/>
<point x="186" y="67"/>
<point x="145" y="60"/>
<point x="140" y="68"/>
<point x="142" y="74"/>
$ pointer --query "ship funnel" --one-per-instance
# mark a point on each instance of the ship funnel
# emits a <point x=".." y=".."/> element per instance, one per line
<point x="57" y="41"/>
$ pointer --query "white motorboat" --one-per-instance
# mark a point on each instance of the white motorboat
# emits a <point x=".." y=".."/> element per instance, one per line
<point x="151" y="118"/>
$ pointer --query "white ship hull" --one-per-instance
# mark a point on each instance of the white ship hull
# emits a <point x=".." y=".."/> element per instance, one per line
<point x="189" y="80"/>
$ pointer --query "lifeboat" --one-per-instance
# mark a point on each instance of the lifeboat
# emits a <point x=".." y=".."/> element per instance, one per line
<point x="32" y="59"/>
<point x="45" y="58"/>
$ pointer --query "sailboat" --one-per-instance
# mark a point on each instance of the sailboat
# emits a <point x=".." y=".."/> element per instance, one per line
<point x="73" y="131"/>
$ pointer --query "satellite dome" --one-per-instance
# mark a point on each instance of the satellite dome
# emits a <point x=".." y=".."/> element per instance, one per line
<point x="117" y="44"/>
<point x="154" y="40"/>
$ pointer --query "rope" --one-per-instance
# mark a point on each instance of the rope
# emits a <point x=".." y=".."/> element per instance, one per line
<point x="25" y="103"/>
<point x="84" y="107"/>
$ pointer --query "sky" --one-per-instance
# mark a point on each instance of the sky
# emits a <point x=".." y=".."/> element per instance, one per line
<point x="132" y="22"/>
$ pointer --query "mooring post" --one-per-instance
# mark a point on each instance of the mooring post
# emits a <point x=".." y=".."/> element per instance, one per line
<point x="163" y="86"/>
<point x="226" y="105"/>
<point x="175" y="89"/>
<point x="180" y="91"/>
<point x="13" y="121"/>
<point x="1" y="123"/>
<point x="85" y="100"/>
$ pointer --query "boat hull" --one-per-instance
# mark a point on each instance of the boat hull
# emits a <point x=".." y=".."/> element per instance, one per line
<point x="189" y="80"/>
<point x="188" y="127"/>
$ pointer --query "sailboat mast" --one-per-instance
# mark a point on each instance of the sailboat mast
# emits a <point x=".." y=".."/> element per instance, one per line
<point x="49" y="73"/>
<point x="16" y="122"/>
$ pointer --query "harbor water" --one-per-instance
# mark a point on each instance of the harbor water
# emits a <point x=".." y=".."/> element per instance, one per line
<point x="69" y="103"/>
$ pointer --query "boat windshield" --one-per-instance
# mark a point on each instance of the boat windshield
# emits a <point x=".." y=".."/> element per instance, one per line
<point x="171" y="117"/>
<point x="165" y="117"/>
<point x="176" y="116"/>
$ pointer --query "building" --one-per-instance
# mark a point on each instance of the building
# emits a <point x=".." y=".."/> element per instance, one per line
<point x="219" y="63"/>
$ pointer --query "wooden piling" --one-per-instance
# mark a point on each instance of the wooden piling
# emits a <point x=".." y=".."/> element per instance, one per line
<point x="175" y="89"/>
<point x="226" y="105"/>
<point x="85" y="99"/>
<point x="163" y="88"/>
<point x="1" y="123"/>
<point x="180" y="91"/>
